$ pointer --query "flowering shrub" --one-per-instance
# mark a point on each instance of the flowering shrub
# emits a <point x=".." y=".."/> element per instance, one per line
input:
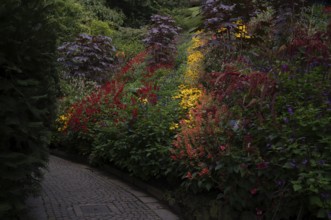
<point x="217" y="150"/>
<point x="78" y="124"/>
<point x="140" y="143"/>
<point x="261" y="140"/>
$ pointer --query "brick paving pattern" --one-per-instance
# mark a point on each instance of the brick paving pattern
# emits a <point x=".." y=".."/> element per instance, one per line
<point x="76" y="192"/>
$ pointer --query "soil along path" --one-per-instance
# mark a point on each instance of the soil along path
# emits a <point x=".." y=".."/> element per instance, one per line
<point x="74" y="191"/>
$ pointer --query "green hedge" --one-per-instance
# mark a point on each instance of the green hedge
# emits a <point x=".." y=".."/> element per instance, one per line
<point x="27" y="85"/>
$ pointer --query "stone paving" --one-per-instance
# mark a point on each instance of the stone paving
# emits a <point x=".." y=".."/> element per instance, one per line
<point x="74" y="191"/>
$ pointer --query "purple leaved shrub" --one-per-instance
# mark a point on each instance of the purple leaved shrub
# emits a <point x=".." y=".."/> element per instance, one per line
<point x="160" y="39"/>
<point x="89" y="57"/>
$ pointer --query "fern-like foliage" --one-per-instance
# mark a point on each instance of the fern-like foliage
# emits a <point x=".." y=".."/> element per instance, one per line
<point x="27" y="85"/>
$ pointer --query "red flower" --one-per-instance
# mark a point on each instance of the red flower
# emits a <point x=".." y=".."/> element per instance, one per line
<point x="204" y="171"/>
<point x="189" y="175"/>
<point x="134" y="113"/>
<point x="253" y="191"/>
<point x="262" y="165"/>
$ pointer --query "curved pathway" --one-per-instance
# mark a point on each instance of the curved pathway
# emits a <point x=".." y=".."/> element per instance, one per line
<point x="74" y="191"/>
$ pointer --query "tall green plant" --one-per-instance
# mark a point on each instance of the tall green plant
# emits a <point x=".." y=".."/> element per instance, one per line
<point x="27" y="83"/>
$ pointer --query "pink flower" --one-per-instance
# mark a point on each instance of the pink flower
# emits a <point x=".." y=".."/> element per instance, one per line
<point x="253" y="191"/>
<point x="222" y="148"/>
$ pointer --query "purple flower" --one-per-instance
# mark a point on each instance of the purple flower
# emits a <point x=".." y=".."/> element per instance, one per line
<point x="321" y="162"/>
<point x="284" y="68"/>
<point x="304" y="162"/>
<point x="286" y="120"/>
<point x="280" y="183"/>
<point x="293" y="164"/>
<point x="290" y="110"/>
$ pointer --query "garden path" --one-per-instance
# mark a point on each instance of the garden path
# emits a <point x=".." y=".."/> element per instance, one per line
<point x="72" y="191"/>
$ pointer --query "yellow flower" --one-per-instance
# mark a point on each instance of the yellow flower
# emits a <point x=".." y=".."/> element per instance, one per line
<point x="63" y="120"/>
<point x="194" y="62"/>
<point x="174" y="126"/>
<point x="144" y="101"/>
<point x="189" y="96"/>
<point x="242" y="30"/>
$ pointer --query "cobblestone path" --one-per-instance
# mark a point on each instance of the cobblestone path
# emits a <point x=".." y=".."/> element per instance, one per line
<point x="77" y="192"/>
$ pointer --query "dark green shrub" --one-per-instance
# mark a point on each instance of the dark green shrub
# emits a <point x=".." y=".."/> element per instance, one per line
<point x="27" y="86"/>
<point x="69" y="19"/>
<point x="101" y="11"/>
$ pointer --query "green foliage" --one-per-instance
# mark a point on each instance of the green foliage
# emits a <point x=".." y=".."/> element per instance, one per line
<point x="187" y="18"/>
<point x="139" y="12"/>
<point x="27" y="87"/>
<point x="74" y="17"/>
<point x="129" y="41"/>
<point x="100" y="28"/>
<point x="70" y="19"/>
<point x="300" y="141"/>
<point x="100" y="11"/>
<point x="140" y="144"/>
<point x="73" y="90"/>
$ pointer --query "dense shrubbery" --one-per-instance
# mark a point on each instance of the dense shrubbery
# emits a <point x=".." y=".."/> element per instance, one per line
<point x="261" y="138"/>
<point x="245" y="114"/>
<point x="27" y="88"/>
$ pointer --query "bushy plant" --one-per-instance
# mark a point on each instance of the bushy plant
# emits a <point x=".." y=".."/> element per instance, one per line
<point x="138" y="12"/>
<point x="140" y="144"/>
<point x="69" y="19"/>
<point x="100" y="28"/>
<point x="188" y="19"/>
<point x="101" y="11"/>
<point x="129" y="41"/>
<point x="299" y="141"/>
<point x="260" y="139"/>
<point x="27" y="88"/>
<point x="90" y="57"/>
<point x="225" y="25"/>
<point x="160" y="39"/>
